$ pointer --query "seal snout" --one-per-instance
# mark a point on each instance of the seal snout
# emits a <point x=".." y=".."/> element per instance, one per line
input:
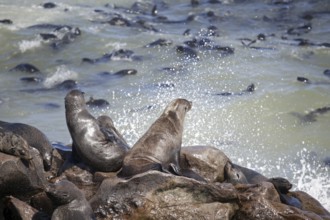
<point x="189" y="106"/>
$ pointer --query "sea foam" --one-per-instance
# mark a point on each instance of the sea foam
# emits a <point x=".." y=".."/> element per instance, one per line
<point x="61" y="74"/>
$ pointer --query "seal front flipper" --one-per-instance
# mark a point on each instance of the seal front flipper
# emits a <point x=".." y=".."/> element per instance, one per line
<point x="110" y="136"/>
<point x="128" y="172"/>
<point x="176" y="170"/>
<point x="172" y="168"/>
<point x="193" y="175"/>
<point x="110" y="132"/>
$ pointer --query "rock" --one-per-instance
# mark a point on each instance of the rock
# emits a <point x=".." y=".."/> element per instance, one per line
<point x="42" y="202"/>
<point x="157" y="195"/>
<point x="17" y="209"/>
<point x="310" y="204"/>
<point x="81" y="175"/>
<point x="207" y="161"/>
<point x="70" y="201"/>
<point x="21" y="179"/>
<point x="57" y="162"/>
<point x="255" y="202"/>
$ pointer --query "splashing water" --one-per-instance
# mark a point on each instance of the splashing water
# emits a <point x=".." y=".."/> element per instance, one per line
<point x="61" y="74"/>
<point x="255" y="130"/>
<point x="26" y="45"/>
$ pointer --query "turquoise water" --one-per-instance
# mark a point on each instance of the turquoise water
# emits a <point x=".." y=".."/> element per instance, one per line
<point x="259" y="130"/>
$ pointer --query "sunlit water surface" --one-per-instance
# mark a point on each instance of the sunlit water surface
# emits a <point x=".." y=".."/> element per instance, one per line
<point x="258" y="130"/>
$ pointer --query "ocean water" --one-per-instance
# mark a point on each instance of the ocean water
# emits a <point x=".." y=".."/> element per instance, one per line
<point x="274" y="42"/>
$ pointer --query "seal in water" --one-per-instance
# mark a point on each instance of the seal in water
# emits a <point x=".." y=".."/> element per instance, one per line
<point x="34" y="137"/>
<point x="71" y="202"/>
<point x="14" y="144"/>
<point x="98" y="147"/>
<point x="159" y="148"/>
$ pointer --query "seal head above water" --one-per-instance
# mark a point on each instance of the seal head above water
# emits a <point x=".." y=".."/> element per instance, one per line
<point x="100" y="147"/>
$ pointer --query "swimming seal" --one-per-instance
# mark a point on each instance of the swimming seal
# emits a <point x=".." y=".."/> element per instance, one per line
<point x="71" y="202"/>
<point x="34" y="137"/>
<point x="14" y="144"/>
<point x="159" y="148"/>
<point x="98" y="147"/>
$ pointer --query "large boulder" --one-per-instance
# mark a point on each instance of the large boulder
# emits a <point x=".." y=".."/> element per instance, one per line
<point x="310" y="204"/>
<point x="156" y="195"/>
<point x="17" y="209"/>
<point x="207" y="161"/>
<point x="81" y="175"/>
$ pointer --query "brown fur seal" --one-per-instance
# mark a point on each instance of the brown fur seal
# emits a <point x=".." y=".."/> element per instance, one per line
<point x="238" y="174"/>
<point x="283" y="186"/>
<point x="14" y="144"/>
<point x="34" y="137"/>
<point x="99" y="147"/>
<point x="233" y="174"/>
<point x="159" y="148"/>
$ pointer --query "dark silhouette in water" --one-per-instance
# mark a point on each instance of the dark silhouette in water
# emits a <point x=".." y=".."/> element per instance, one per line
<point x="312" y="115"/>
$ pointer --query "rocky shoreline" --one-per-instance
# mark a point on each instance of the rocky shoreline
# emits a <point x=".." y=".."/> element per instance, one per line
<point x="33" y="186"/>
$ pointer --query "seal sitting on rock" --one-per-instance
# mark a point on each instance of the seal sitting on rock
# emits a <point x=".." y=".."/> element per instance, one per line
<point x="99" y="147"/>
<point x="159" y="148"/>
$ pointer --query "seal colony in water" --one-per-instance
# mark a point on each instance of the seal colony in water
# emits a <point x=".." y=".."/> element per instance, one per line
<point x="159" y="148"/>
<point x="99" y="145"/>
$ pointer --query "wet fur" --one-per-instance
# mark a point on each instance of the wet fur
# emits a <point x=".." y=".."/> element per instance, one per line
<point x="99" y="147"/>
<point x="159" y="148"/>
